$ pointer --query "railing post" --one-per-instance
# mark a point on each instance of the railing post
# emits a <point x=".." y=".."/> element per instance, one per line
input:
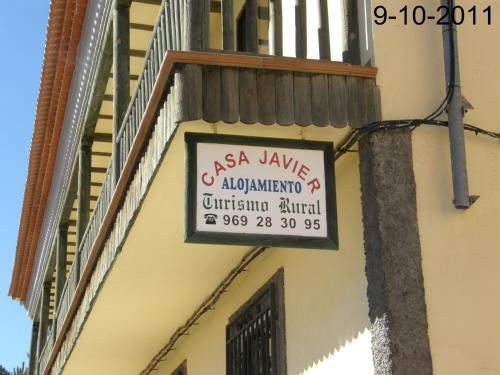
<point x="227" y="25"/>
<point x="251" y="13"/>
<point x="323" y="30"/>
<point x="121" y="76"/>
<point x="300" y="29"/>
<point x="33" y="349"/>
<point x="44" y="318"/>
<point x="275" y="28"/>
<point x="61" y="260"/>
<point x="83" y="213"/>
<point x="351" y="53"/>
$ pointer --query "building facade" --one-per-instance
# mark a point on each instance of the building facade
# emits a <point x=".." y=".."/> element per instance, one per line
<point x="111" y="264"/>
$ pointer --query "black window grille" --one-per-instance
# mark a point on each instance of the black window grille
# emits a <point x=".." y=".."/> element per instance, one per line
<point x="255" y="336"/>
<point x="181" y="370"/>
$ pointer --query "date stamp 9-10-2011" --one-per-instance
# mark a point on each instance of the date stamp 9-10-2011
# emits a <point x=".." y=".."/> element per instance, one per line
<point x="441" y="15"/>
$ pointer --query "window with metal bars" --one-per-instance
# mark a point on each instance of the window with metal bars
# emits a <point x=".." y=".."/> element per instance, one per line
<point x="255" y="333"/>
<point x="181" y="370"/>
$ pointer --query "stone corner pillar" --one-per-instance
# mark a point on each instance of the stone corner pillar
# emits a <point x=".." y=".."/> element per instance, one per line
<point x="396" y="295"/>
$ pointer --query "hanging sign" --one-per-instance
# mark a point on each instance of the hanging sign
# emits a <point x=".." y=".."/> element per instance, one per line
<point x="260" y="191"/>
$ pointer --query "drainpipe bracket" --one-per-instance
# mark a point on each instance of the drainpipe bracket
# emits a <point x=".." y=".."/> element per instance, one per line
<point x="472" y="200"/>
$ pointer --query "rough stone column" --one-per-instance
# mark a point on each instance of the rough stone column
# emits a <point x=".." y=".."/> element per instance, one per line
<point x="396" y="295"/>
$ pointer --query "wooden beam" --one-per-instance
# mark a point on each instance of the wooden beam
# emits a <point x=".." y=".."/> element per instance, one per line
<point x="141" y="26"/>
<point x="98" y="170"/>
<point x="105" y="117"/>
<point x="275" y="28"/>
<point x="215" y="5"/>
<point x="61" y="259"/>
<point x="98" y="153"/>
<point x="133" y="77"/>
<point x="148" y="2"/>
<point x="251" y="26"/>
<point x="104" y="65"/>
<point x="121" y="74"/>
<point x="300" y="29"/>
<point x="103" y="137"/>
<point x="193" y="25"/>
<point x="227" y="25"/>
<point x="33" y="359"/>
<point x="288" y="64"/>
<point x="352" y="54"/>
<point x="323" y="31"/>
<point x="84" y="173"/>
<point x="43" y="318"/>
<point x="137" y="53"/>
<point x="70" y="195"/>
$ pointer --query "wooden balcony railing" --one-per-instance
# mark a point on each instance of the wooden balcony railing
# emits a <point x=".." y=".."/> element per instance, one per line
<point x="166" y="36"/>
<point x="174" y="31"/>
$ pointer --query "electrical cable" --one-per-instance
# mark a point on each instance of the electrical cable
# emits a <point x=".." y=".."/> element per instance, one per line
<point x="355" y="135"/>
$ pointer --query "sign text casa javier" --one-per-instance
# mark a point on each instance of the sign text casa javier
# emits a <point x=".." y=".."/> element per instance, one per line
<point x="260" y="191"/>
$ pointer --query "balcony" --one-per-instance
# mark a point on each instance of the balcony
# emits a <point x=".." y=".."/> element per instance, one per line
<point x="191" y="71"/>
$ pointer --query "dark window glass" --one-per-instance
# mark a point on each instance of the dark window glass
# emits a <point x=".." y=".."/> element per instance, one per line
<point x="181" y="370"/>
<point x="255" y="333"/>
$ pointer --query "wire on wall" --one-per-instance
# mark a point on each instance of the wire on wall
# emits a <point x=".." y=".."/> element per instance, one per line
<point x="355" y="135"/>
<point x="205" y="307"/>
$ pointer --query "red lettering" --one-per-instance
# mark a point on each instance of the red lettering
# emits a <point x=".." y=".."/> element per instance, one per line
<point x="315" y="185"/>
<point x="303" y="171"/>
<point x="243" y="158"/>
<point x="285" y="163"/>
<point x="264" y="159"/>
<point x="231" y="163"/>
<point x="275" y="159"/>
<point x="218" y="168"/>
<point x="209" y="182"/>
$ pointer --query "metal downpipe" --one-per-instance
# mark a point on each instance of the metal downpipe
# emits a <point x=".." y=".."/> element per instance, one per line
<point x="461" y="198"/>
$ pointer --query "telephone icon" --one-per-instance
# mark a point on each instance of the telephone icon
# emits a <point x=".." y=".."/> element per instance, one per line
<point x="210" y="219"/>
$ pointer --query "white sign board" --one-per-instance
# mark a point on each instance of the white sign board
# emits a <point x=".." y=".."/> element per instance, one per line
<point x="257" y="191"/>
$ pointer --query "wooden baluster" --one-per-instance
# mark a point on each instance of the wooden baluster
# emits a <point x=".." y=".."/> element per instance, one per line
<point x="121" y="76"/>
<point x="61" y="261"/>
<point x="83" y="210"/>
<point x="44" y="318"/>
<point x="33" y="359"/>
<point x="227" y="25"/>
<point x="251" y="14"/>
<point x="323" y="30"/>
<point x="275" y="28"/>
<point x="352" y="53"/>
<point x="300" y="29"/>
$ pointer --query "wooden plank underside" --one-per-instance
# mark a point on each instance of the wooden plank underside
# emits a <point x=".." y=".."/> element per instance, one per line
<point x="230" y="111"/>
<point x="211" y="94"/>
<point x="285" y="98"/>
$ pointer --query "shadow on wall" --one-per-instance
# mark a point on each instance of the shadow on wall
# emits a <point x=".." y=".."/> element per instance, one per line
<point x="328" y="329"/>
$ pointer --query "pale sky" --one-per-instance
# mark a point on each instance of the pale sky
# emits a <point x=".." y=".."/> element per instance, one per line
<point x="22" y="39"/>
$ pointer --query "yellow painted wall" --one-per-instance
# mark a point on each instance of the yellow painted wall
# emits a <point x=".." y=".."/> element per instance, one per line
<point x="461" y="249"/>
<point x="327" y="325"/>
